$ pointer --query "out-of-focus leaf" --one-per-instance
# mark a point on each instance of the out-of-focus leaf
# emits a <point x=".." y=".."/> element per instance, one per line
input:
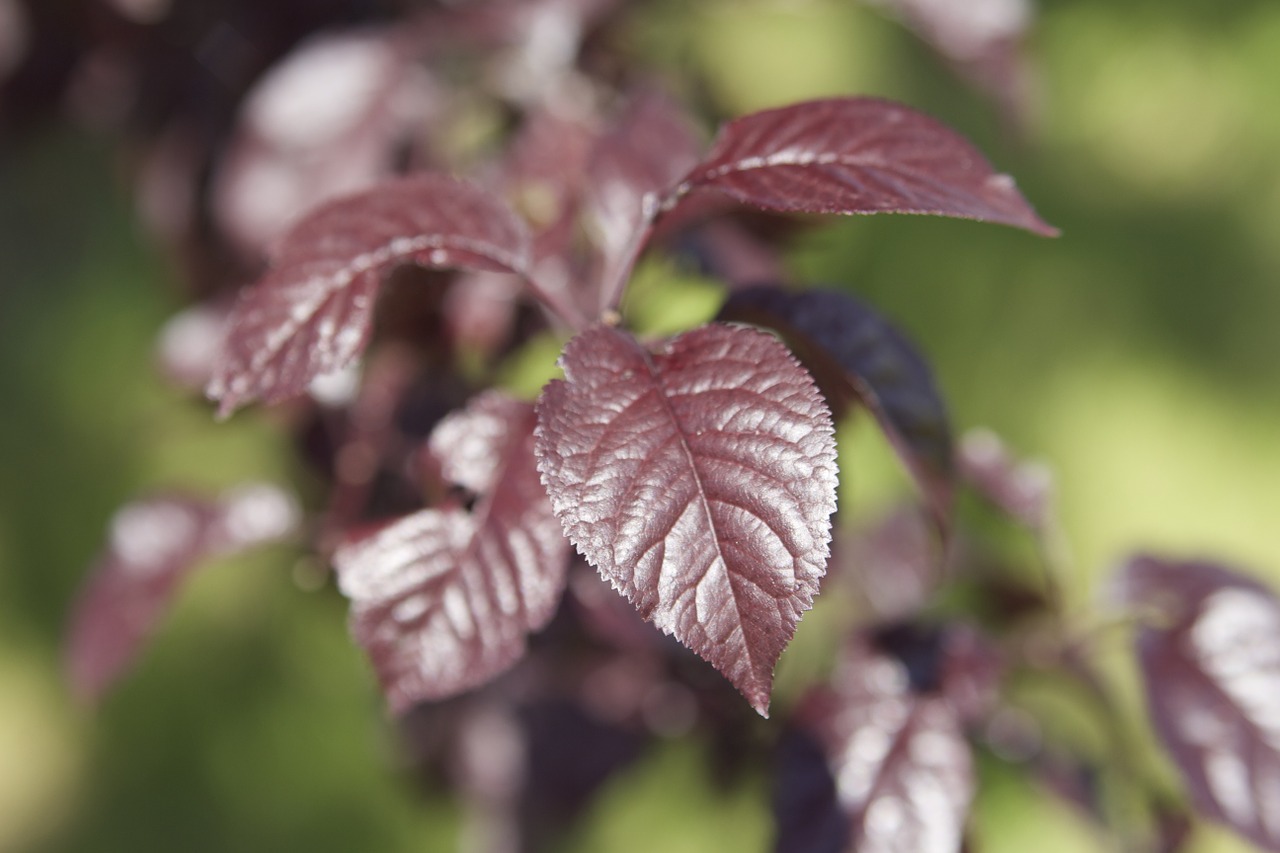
<point x="699" y="480"/>
<point x="311" y="314"/>
<point x="648" y="149"/>
<point x="982" y="39"/>
<point x="856" y="155"/>
<point x="842" y="337"/>
<point x="1023" y="490"/>
<point x="325" y="121"/>
<point x="1212" y="672"/>
<point x="872" y="765"/>
<point x="154" y="544"/>
<point x="896" y="562"/>
<point x="442" y="600"/>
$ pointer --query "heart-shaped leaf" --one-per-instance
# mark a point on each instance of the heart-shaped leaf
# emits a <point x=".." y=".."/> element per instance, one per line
<point x="311" y="314"/>
<point x="699" y="480"/>
<point x="1212" y="674"/>
<point x="872" y="764"/>
<point x="154" y="544"/>
<point x="442" y="600"/>
<point x="842" y="337"/>
<point x="856" y="155"/>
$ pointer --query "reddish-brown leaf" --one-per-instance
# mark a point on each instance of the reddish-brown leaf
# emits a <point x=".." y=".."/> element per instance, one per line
<point x="154" y="544"/>
<point x="840" y="336"/>
<point x="699" y="479"/>
<point x="442" y="600"/>
<point x="1212" y="671"/>
<point x="311" y="314"/>
<point x="857" y="155"/>
<point x="873" y="765"/>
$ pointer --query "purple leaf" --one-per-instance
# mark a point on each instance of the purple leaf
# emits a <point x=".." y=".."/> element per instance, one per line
<point x="896" y="562"/>
<point x="154" y="544"/>
<point x="1212" y="674"/>
<point x="443" y="599"/>
<point x="699" y="480"/>
<point x="838" y="335"/>
<point x="652" y="144"/>
<point x="311" y="314"/>
<point x="873" y="765"/>
<point x="982" y="39"/>
<point x="856" y="155"/>
<point x="1022" y="490"/>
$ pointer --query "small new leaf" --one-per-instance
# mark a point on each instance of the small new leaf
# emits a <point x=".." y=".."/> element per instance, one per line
<point x="699" y="479"/>
<point x="312" y="313"/>
<point x="442" y="600"/>
<point x="857" y="155"/>
<point x="840" y="336"/>
<point x="1212" y="674"/>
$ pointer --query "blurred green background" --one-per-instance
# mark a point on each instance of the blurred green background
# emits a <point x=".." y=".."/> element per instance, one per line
<point x="1138" y="355"/>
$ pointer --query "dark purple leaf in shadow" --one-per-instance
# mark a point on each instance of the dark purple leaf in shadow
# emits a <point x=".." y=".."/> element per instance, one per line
<point x="699" y="480"/>
<point x="311" y="314"/>
<point x="840" y="336"/>
<point x="1023" y="490"/>
<point x="571" y="753"/>
<point x="325" y="121"/>
<point x="856" y="155"/>
<point x="442" y="600"/>
<point x="898" y="771"/>
<point x="154" y="544"/>
<point x="651" y="145"/>
<point x="1211" y="666"/>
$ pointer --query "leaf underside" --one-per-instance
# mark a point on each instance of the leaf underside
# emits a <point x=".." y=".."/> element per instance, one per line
<point x="838" y="334"/>
<point x="857" y="155"/>
<point x="699" y="479"/>
<point x="1212" y="676"/>
<point x="442" y="600"/>
<point x="312" y="313"/>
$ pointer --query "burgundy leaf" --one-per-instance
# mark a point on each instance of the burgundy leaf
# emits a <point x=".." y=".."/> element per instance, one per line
<point x="838" y="335"/>
<point x="1022" y="490"/>
<point x="311" y="314"/>
<point x="652" y="144"/>
<point x="1212" y="674"/>
<point x="443" y="599"/>
<point x="154" y="544"/>
<point x="872" y="765"/>
<point x="699" y="480"/>
<point x="856" y="155"/>
<point x="896" y="562"/>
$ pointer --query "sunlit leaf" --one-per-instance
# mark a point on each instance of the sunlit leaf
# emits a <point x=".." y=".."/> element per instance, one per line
<point x="843" y="338"/>
<point x="311" y="315"/>
<point x="856" y="155"/>
<point x="1211" y="665"/>
<point x="442" y="600"/>
<point x="699" y="479"/>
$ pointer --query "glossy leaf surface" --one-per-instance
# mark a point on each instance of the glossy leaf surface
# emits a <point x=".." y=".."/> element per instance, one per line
<point x="1212" y="675"/>
<point x="843" y="337"/>
<point x="442" y="600"/>
<point x="873" y="765"/>
<point x="857" y="155"/>
<point x="699" y="479"/>
<point x="311" y="315"/>
<point x="154" y="544"/>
